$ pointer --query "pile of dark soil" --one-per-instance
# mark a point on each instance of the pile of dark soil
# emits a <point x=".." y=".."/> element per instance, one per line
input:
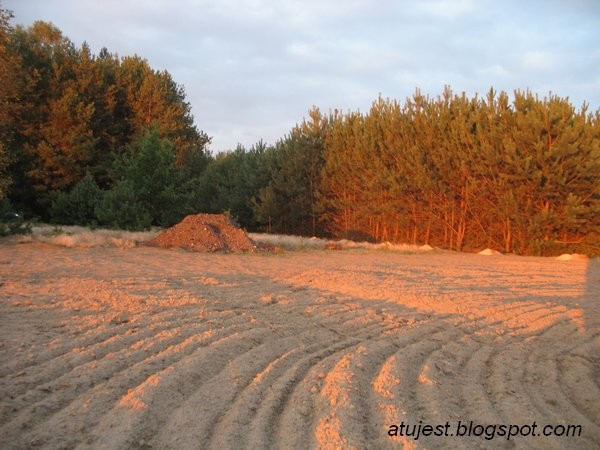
<point x="206" y="233"/>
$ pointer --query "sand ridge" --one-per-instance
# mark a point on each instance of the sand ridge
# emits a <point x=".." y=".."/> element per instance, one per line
<point x="147" y="348"/>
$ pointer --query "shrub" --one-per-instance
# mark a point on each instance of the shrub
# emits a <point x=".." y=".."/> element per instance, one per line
<point x="78" y="206"/>
<point x="10" y="221"/>
<point x="153" y="180"/>
<point x="120" y="208"/>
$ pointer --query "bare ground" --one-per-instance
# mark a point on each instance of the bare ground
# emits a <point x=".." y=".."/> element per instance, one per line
<point x="152" y="348"/>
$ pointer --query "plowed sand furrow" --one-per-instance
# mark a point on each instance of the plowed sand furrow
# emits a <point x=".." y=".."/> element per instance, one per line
<point x="357" y="329"/>
<point x="339" y="420"/>
<point x="136" y="417"/>
<point x="526" y="386"/>
<point x="347" y="408"/>
<point x="500" y="319"/>
<point x="147" y="337"/>
<point x="418" y="379"/>
<point x="74" y="357"/>
<point x="336" y="313"/>
<point x="206" y="407"/>
<point x="507" y="385"/>
<point x="543" y="369"/>
<point x="103" y="397"/>
<point x="576" y="382"/>
<point x="144" y="348"/>
<point x="523" y="371"/>
<point x="239" y="420"/>
<point x="579" y="367"/>
<point x="376" y="318"/>
<point x="475" y="391"/>
<point x="92" y="341"/>
<point x="563" y="393"/>
<point x="364" y="398"/>
<point x="91" y="338"/>
<point x="439" y="383"/>
<point x="541" y="322"/>
<point x="388" y="406"/>
<point x="327" y="424"/>
<point x="400" y="394"/>
<point x="251" y="374"/>
<point x="373" y="319"/>
<point x="299" y="409"/>
<point x="551" y="405"/>
<point x="274" y="406"/>
<point x="71" y="391"/>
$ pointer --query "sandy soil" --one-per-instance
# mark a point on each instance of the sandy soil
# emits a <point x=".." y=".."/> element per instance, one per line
<point x="152" y="348"/>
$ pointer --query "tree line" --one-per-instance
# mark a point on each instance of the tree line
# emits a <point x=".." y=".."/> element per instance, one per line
<point x="520" y="176"/>
<point x="66" y="112"/>
<point x="104" y="140"/>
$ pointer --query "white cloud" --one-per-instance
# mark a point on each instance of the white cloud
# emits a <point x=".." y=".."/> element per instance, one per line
<point x="446" y="9"/>
<point x="540" y="60"/>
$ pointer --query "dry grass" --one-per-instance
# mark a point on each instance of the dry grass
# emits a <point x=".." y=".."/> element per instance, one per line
<point x="76" y="236"/>
<point x="84" y="237"/>
<point x="296" y="243"/>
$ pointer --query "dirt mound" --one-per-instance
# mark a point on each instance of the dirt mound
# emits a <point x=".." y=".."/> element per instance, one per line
<point x="206" y="233"/>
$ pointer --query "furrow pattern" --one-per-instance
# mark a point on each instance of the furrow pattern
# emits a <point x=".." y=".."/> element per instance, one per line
<point x="147" y="348"/>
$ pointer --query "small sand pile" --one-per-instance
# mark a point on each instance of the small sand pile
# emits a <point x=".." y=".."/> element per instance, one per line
<point x="205" y="233"/>
<point x="571" y="257"/>
<point x="489" y="252"/>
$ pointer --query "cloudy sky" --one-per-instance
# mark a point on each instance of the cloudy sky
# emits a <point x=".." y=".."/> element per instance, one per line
<point x="252" y="69"/>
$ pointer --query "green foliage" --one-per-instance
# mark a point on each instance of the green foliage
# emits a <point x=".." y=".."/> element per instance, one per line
<point x="9" y="94"/>
<point x="289" y="202"/>
<point x="466" y="173"/>
<point x="148" y="191"/>
<point x="120" y="208"/>
<point x="150" y="165"/>
<point x="150" y="170"/>
<point x="10" y="221"/>
<point x="69" y="112"/>
<point x="519" y="175"/>
<point x="78" y="206"/>
<point x="232" y="180"/>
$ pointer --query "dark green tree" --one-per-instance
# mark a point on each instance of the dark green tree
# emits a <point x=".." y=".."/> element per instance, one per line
<point x="77" y="207"/>
<point x="233" y="179"/>
<point x="72" y="112"/>
<point x="120" y="208"/>
<point x="9" y="99"/>
<point x="149" y="166"/>
<point x="290" y="202"/>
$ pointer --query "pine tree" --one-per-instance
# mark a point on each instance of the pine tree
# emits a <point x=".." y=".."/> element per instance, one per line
<point x="465" y="172"/>
<point x="121" y="208"/>
<point x="76" y="112"/>
<point x="9" y="96"/>
<point x="66" y="143"/>
<point x="154" y="100"/>
<point x="290" y="202"/>
<point x="150" y="169"/>
<point x="77" y="207"/>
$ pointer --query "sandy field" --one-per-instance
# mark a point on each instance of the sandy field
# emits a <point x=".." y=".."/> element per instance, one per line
<point x="123" y="348"/>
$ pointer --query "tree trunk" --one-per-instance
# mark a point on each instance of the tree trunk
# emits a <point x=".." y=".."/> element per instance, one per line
<point x="428" y="231"/>
<point x="507" y="232"/>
